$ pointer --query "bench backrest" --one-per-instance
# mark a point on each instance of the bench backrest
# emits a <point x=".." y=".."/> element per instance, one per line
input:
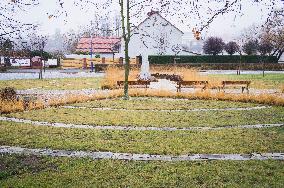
<point x="192" y="82"/>
<point x="140" y="82"/>
<point x="237" y="82"/>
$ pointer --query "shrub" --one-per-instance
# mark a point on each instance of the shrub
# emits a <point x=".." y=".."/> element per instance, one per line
<point x="167" y="59"/>
<point x="8" y="94"/>
<point x="3" y="69"/>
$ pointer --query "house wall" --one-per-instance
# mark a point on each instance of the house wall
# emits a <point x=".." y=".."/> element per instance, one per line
<point x="155" y="36"/>
<point x="281" y="60"/>
<point x="106" y="55"/>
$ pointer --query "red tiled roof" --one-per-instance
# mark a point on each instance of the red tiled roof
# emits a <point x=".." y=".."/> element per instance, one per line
<point x="100" y="44"/>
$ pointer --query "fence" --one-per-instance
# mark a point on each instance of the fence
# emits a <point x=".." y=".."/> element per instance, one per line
<point x="86" y="63"/>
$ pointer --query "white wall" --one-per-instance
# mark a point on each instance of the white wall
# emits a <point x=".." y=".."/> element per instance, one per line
<point x="51" y="62"/>
<point x="281" y="60"/>
<point x="192" y="43"/>
<point x="20" y="62"/>
<point x="146" y="39"/>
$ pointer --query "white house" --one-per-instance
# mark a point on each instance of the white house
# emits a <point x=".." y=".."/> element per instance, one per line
<point x="281" y="60"/>
<point x="157" y="36"/>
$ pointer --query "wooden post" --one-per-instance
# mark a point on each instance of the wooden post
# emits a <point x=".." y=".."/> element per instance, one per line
<point x="121" y="60"/>
<point x="84" y="63"/>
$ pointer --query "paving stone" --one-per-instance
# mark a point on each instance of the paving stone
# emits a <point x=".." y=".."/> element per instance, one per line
<point x="129" y="128"/>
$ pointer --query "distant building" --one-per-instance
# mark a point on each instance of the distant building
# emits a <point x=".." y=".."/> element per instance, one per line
<point x="103" y="46"/>
<point x="154" y="36"/>
<point x="157" y="36"/>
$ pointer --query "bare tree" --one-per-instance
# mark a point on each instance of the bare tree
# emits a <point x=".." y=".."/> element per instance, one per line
<point x="273" y="32"/>
<point x="213" y="46"/>
<point x="264" y="48"/>
<point x="251" y="47"/>
<point x="231" y="47"/>
<point x="10" y="26"/>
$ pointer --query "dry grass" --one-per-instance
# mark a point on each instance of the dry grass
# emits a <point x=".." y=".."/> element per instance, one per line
<point x="114" y="74"/>
<point x="268" y="99"/>
<point x="71" y="99"/>
<point x="282" y="88"/>
<point x="19" y="106"/>
<point x="16" y="106"/>
<point x="11" y="106"/>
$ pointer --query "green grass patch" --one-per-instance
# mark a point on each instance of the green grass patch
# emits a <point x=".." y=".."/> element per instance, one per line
<point x="152" y="142"/>
<point x="179" y="119"/>
<point x="269" y="81"/>
<point x="67" y="172"/>
<point x="163" y="104"/>
<point x="53" y="84"/>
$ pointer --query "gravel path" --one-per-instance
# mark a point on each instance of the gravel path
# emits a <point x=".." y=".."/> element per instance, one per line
<point x="135" y="128"/>
<point x="34" y="74"/>
<point x="140" y="157"/>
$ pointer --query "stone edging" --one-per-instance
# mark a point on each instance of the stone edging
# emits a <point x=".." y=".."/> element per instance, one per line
<point x="140" y="157"/>
<point x="156" y="110"/>
<point x="133" y="128"/>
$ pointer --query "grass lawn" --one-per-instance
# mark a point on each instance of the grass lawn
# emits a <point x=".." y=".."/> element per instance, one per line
<point x="179" y="119"/>
<point x="53" y="84"/>
<point x="163" y="104"/>
<point x="32" y="171"/>
<point x="152" y="142"/>
<point x="269" y="81"/>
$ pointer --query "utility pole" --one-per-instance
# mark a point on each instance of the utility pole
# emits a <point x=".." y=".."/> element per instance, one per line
<point x="91" y="50"/>
<point x="42" y="61"/>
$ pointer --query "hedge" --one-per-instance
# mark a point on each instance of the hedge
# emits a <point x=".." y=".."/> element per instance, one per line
<point x="167" y="59"/>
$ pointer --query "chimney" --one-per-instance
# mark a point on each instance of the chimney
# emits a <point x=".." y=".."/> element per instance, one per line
<point x="152" y="13"/>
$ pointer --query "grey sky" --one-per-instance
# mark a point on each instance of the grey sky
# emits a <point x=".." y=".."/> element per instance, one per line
<point x="224" y="26"/>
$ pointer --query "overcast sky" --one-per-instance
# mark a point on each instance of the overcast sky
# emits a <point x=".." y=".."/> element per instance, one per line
<point x="223" y="26"/>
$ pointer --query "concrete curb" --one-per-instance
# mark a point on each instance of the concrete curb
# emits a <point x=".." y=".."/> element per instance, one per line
<point x="140" y="157"/>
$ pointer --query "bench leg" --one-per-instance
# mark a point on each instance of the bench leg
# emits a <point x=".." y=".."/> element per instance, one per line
<point x="178" y="89"/>
<point x="243" y="89"/>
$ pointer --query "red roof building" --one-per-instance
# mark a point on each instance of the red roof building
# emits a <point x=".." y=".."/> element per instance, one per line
<point x="100" y="45"/>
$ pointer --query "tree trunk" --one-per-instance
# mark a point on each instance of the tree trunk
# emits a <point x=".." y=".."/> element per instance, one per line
<point x="279" y="55"/>
<point x="126" y="37"/>
<point x="126" y="67"/>
<point x="263" y="65"/>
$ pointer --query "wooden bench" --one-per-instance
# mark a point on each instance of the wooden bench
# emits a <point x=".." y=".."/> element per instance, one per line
<point x="135" y="84"/>
<point x="191" y="84"/>
<point x="244" y="84"/>
<point x="171" y="77"/>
